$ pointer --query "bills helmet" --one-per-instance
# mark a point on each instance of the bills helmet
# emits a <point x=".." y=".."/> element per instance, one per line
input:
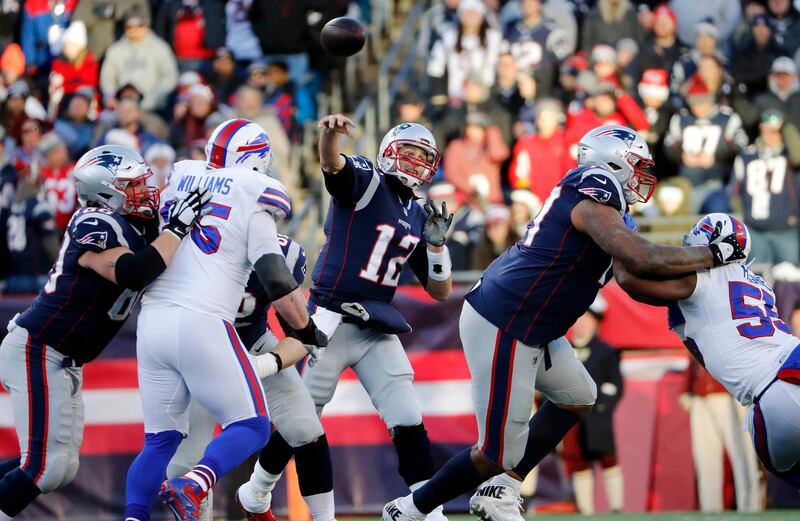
<point x="397" y="156"/>
<point x="239" y="142"/>
<point x="622" y="152"/>
<point x="104" y="174"/>
<point x="700" y="234"/>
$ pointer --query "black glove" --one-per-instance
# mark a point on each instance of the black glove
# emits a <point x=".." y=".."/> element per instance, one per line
<point x="309" y="335"/>
<point x="438" y="223"/>
<point x="185" y="211"/>
<point x="725" y="249"/>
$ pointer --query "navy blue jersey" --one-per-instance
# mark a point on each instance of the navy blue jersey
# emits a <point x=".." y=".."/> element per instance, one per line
<point x="373" y="226"/>
<point x="78" y="312"/>
<point x="251" y="320"/>
<point x="28" y="223"/>
<point x="537" y="288"/>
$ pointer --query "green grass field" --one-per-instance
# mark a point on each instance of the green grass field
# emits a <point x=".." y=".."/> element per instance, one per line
<point x="775" y="515"/>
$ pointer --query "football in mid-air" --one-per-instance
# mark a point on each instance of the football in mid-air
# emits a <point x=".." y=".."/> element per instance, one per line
<point x="343" y="36"/>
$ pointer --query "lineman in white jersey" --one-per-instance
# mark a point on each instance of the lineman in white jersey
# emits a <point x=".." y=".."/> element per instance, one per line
<point x="187" y="345"/>
<point x="726" y="317"/>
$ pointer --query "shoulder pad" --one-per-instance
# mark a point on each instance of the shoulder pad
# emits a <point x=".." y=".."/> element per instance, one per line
<point x="603" y="187"/>
<point x="274" y="197"/>
<point x="97" y="229"/>
<point x="362" y="163"/>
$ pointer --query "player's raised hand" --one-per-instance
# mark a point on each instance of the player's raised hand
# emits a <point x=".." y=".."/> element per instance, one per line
<point x="439" y="221"/>
<point x="338" y="123"/>
<point x="185" y="211"/>
<point x="725" y="249"/>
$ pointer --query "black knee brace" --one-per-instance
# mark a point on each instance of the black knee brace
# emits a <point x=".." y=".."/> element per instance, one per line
<point x="276" y="454"/>
<point x="415" y="460"/>
<point x="314" y="467"/>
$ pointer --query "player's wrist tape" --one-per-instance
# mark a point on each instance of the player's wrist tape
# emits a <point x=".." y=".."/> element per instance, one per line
<point x="311" y="335"/>
<point x="439" y="265"/>
<point x="267" y="365"/>
<point x="137" y="270"/>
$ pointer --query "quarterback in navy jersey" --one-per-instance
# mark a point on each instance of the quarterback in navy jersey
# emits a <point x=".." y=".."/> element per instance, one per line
<point x="514" y="319"/>
<point x="104" y="262"/>
<point x="374" y="225"/>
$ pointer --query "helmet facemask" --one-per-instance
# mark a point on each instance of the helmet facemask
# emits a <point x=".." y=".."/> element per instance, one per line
<point x="412" y="169"/>
<point x="642" y="182"/>
<point x="141" y="200"/>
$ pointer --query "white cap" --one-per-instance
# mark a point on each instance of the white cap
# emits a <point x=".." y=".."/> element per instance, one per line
<point x="471" y="5"/>
<point x="118" y="136"/>
<point x="76" y="34"/>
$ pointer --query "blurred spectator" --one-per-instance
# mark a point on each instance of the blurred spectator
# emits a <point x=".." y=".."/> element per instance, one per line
<point x="441" y="15"/>
<point x="160" y="158"/>
<point x="686" y="66"/>
<point x="783" y="94"/>
<point x="653" y="90"/>
<point x="191" y="126"/>
<point x="592" y="440"/>
<point x="249" y="105"/>
<point x="603" y="65"/>
<point x="765" y="180"/>
<point x="467" y="224"/>
<point x="12" y="65"/>
<point x="197" y="150"/>
<point x="724" y="15"/>
<point x="753" y="55"/>
<point x="13" y="110"/>
<point x="43" y="23"/>
<point x="118" y="136"/>
<point x="8" y="186"/>
<point x="472" y="162"/>
<point x="716" y="419"/>
<point x="662" y="49"/>
<point x="568" y="75"/>
<point x="542" y="158"/>
<point x="27" y="153"/>
<point x="103" y="19"/>
<point x="703" y="140"/>
<point x="280" y="96"/>
<point x="537" y="45"/>
<point x="784" y="19"/>
<point x="710" y="69"/>
<point x="31" y="237"/>
<point x="9" y="22"/>
<point x="75" y="68"/>
<point x="57" y="182"/>
<point x="476" y="99"/>
<point x="604" y="104"/>
<point x="628" y="67"/>
<point x="129" y="118"/>
<point x="239" y="35"/>
<point x="528" y="90"/>
<point x="471" y="47"/>
<point x="73" y="125"/>
<point x="142" y="59"/>
<point x="224" y="78"/>
<point x="505" y="90"/>
<point x="284" y="37"/>
<point x="524" y="207"/>
<point x="410" y="108"/>
<point x="195" y="29"/>
<point x="498" y="235"/>
<point x="609" y="22"/>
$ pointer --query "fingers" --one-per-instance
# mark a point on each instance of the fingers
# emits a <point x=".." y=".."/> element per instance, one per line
<point x="444" y="208"/>
<point x="428" y="207"/>
<point x="337" y="123"/>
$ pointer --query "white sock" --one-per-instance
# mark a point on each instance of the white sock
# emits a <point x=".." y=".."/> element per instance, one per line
<point x="262" y="481"/>
<point x="507" y="481"/>
<point x="321" y="506"/>
<point x="407" y="505"/>
<point x="583" y="485"/>
<point x="203" y="476"/>
<point x="612" y="477"/>
<point x="419" y="485"/>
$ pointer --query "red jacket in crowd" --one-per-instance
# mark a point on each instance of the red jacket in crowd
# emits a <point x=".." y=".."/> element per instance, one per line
<point x="59" y="188"/>
<point x="628" y="113"/>
<point x="538" y="163"/>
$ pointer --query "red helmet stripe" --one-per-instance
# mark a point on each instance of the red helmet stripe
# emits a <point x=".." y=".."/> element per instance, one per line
<point x="740" y="235"/>
<point x="219" y="147"/>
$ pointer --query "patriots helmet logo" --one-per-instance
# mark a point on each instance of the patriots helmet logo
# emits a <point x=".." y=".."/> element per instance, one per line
<point x="110" y="161"/>
<point x="626" y="136"/>
<point x="258" y="146"/>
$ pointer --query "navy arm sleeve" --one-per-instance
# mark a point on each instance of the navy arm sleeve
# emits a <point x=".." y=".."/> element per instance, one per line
<point x="351" y="182"/>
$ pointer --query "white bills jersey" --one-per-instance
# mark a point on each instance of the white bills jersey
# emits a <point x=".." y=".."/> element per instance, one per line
<point x="213" y="263"/>
<point x="733" y="328"/>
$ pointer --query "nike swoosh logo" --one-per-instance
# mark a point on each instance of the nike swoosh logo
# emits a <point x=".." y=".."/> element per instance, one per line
<point x="601" y="180"/>
<point x="93" y="222"/>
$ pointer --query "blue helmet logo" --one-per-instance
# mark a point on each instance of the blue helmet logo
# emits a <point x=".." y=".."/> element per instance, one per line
<point x="109" y="161"/>
<point x="620" y="133"/>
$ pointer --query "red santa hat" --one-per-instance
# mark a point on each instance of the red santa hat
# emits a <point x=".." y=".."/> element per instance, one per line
<point x="654" y="84"/>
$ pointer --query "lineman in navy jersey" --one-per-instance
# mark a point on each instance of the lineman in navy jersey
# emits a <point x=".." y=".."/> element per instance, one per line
<point x="514" y="319"/>
<point x="373" y="226"/>
<point x="92" y="288"/>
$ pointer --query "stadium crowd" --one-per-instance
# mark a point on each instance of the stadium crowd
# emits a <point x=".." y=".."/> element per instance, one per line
<point x="508" y="87"/>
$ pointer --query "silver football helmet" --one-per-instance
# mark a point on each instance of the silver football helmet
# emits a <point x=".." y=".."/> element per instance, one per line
<point x="115" y="177"/>
<point x="397" y="157"/>
<point x="622" y="152"/>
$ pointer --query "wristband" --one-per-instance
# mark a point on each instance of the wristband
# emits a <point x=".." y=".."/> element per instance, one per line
<point x="439" y="265"/>
<point x="268" y="365"/>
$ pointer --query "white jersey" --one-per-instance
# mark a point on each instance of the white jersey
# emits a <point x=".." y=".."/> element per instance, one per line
<point x="731" y="320"/>
<point x="212" y="264"/>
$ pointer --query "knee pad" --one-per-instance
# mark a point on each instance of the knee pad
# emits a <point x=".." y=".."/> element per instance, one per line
<point x="583" y="392"/>
<point x="400" y="413"/>
<point x="301" y="431"/>
<point x="71" y="471"/>
<point x="415" y="460"/>
<point x="55" y="473"/>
